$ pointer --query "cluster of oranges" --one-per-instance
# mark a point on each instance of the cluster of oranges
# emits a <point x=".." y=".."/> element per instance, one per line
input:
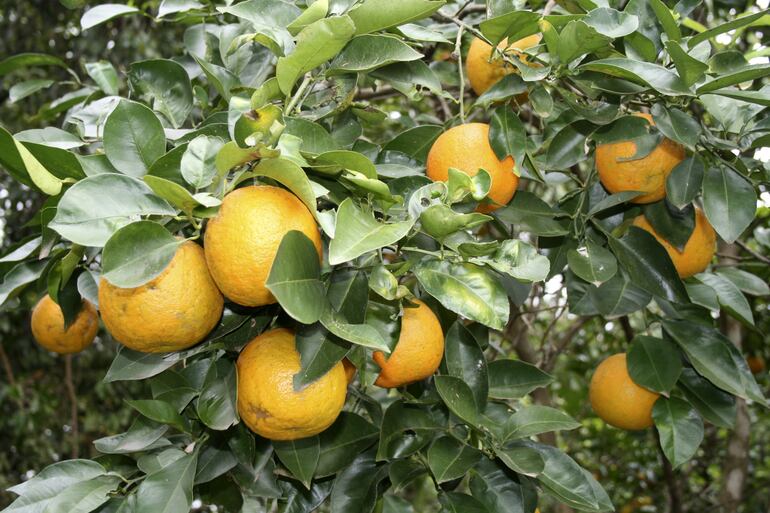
<point x="179" y="307"/>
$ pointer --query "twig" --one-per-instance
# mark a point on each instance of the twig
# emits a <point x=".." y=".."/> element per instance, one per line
<point x="73" y="398"/>
<point x="548" y="360"/>
<point x="549" y="7"/>
<point x="459" y="54"/>
<point x="300" y="91"/>
<point x="747" y="249"/>
<point x="675" y="499"/>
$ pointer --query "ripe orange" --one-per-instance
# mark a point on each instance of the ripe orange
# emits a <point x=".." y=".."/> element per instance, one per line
<point x="418" y="351"/>
<point x="242" y="240"/>
<point x="698" y="251"/>
<point x="174" y="311"/>
<point x="485" y="69"/>
<point x="466" y="148"/>
<point x="48" y="327"/>
<point x="647" y="174"/>
<point x="350" y="370"/>
<point x="617" y="399"/>
<point x="267" y="401"/>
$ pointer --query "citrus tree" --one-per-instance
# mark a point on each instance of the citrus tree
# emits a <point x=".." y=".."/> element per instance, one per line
<point x="321" y="248"/>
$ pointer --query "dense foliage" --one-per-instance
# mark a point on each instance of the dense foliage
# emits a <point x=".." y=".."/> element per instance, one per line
<point x="339" y="102"/>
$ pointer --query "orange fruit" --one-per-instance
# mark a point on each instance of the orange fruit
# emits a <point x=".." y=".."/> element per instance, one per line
<point x="485" y="69"/>
<point x="173" y="311"/>
<point x="647" y="174"/>
<point x="48" y="327"/>
<point x="350" y="370"/>
<point x="756" y="364"/>
<point x="466" y="148"/>
<point x="242" y="240"/>
<point x="617" y="399"/>
<point x="267" y="401"/>
<point x="696" y="254"/>
<point x="418" y="351"/>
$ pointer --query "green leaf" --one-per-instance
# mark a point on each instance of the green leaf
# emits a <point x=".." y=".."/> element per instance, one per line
<point x="105" y="12"/>
<point x="40" y="176"/>
<point x="577" y="39"/>
<point x="343" y="441"/>
<point x="440" y="220"/>
<point x="170" y="489"/>
<point x="507" y="135"/>
<point x="319" y="352"/>
<point x="96" y="207"/>
<point x="84" y="496"/>
<point x="294" y="278"/>
<point x="522" y="460"/>
<point x="177" y="6"/>
<point x="666" y="19"/>
<point x="24" y="60"/>
<point x="221" y="78"/>
<point x="142" y="435"/>
<point x="715" y="405"/>
<point x="654" y="363"/>
<point x="213" y="462"/>
<point x="458" y="397"/>
<point x="729" y="202"/>
<point x="611" y="23"/>
<point x="519" y="260"/>
<point x="368" y="52"/>
<point x="514" y="25"/>
<point x="21" y="90"/>
<point x="648" y="265"/>
<point x="724" y="27"/>
<point x="399" y="419"/>
<point x="568" y="482"/>
<point x="492" y="485"/>
<point x="567" y="148"/>
<point x="216" y="405"/>
<point x="680" y="428"/>
<point x="531" y="214"/>
<point x="415" y="142"/>
<point x="198" y="164"/>
<point x="357" y="232"/>
<point x="729" y="296"/>
<point x="675" y="226"/>
<point x="291" y="175"/>
<point x="747" y="74"/>
<point x="676" y="125"/>
<point x="360" y="334"/>
<point x="166" y="82"/>
<point x="375" y="15"/>
<point x="612" y="201"/>
<point x="50" y="136"/>
<point x="449" y="459"/>
<point x="159" y="411"/>
<point x="105" y="76"/>
<point x="455" y="502"/>
<point x="132" y="365"/>
<point x="179" y="197"/>
<point x="52" y="481"/>
<point x="689" y="68"/>
<point x="465" y="289"/>
<point x="640" y="72"/>
<point x="513" y="379"/>
<point x="747" y="282"/>
<point x="536" y="419"/>
<point x="356" y="487"/>
<point x="133" y="138"/>
<point x="137" y="253"/>
<point x="465" y="359"/>
<point x="300" y="457"/>
<point x="684" y="182"/>
<point x="316" y="44"/>
<point x="592" y="262"/>
<point x="715" y="358"/>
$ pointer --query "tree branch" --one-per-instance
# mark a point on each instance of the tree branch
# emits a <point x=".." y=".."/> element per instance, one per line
<point x="747" y="249"/>
<point x="674" y="494"/>
<point x="73" y="399"/>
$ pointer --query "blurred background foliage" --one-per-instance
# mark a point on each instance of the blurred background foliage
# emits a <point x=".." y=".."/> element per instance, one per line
<point x="36" y="417"/>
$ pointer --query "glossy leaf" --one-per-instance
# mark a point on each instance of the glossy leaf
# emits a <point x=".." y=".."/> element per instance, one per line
<point x="465" y="289"/>
<point x="512" y="379"/>
<point x="680" y="428"/>
<point x="729" y="202"/>
<point x="133" y="138"/>
<point x="449" y="459"/>
<point x="654" y="363"/>
<point x="300" y="457"/>
<point x="137" y="253"/>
